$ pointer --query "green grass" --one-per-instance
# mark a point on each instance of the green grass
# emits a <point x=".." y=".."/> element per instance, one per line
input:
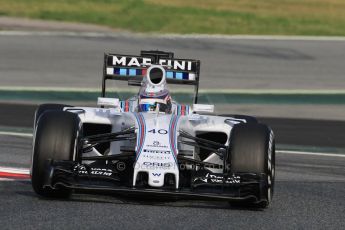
<point x="276" y="17"/>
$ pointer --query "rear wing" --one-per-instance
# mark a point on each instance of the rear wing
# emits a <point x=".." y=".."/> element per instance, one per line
<point x="133" y="68"/>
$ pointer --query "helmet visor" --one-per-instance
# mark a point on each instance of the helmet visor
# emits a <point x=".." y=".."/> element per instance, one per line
<point x="146" y="107"/>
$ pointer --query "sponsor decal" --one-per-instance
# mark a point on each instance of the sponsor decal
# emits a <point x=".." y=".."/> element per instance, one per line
<point x="81" y="169"/>
<point x="158" y="164"/>
<point x="140" y="61"/>
<point x="156" y="151"/>
<point x="157" y="144"/>
<point x="101" y="171"/>
<point x="156" y="157"/>
<point x="218" y="179"/>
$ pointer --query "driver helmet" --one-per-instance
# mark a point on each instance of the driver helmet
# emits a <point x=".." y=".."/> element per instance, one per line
<point x="153" y="102"/>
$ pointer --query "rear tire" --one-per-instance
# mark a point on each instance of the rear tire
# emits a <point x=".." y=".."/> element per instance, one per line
<point x="252" y="149"/>
<point x="56" y="137"/>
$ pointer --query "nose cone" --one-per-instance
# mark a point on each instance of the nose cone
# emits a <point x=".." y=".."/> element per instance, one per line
<point x="156" y="179"/>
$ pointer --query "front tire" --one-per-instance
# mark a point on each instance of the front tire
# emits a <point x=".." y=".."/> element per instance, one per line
<point x="56" y="137"/>
<point x="252" y="150"/>
<point x="47" y="107"/>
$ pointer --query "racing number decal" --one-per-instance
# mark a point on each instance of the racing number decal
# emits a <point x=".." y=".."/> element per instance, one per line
<point x="159" y="131"/>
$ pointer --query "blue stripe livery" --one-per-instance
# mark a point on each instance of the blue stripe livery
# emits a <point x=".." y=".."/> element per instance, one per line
<point x="132" y="72"/>
<point x="123" y="72"/>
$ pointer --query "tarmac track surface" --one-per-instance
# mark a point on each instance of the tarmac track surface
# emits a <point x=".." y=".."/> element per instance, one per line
<point x="309" y="194"/>
<point x="76" y="61"/>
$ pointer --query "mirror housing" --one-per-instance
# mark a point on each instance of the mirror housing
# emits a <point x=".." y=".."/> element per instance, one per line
<point x="203" y="108"/>
<point x="109" y="102"/>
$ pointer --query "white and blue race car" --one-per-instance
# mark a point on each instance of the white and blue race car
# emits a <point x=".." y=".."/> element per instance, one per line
<point x="149" y="144"/>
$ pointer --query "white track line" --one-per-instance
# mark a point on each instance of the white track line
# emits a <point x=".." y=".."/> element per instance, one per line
<point x="15" y="170"/>
<point x="7" y="179"/>
<point x="16" y="134"/>
<point x="310" y="153"/>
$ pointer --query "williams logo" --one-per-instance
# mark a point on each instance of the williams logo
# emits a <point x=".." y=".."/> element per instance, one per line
<point x="156" y="174"/>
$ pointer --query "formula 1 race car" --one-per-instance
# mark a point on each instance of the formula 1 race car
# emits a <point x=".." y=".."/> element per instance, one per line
<point x="150" y="145"/>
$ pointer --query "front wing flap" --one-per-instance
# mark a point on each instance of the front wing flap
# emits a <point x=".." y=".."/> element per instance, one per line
<point x="203" y="185"/>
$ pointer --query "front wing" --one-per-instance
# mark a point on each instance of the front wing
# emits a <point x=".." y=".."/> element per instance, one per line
<point x="201" y="186"/>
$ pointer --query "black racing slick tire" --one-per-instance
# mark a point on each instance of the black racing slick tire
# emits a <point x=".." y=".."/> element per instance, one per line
<point x="47" y="107"/>
<point x="252" y="150"/>
<point x="57" y="137"/>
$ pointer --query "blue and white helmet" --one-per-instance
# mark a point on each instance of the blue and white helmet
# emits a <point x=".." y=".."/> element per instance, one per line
<point x="154" y="101"/>
<point x="154" y="95"/>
